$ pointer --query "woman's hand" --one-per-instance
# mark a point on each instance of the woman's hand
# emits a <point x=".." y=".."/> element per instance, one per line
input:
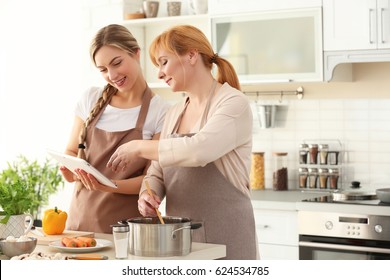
<point x="89" y="181"/>
<point x="123" y="156"/>
<point x="147" y="204"/>
<point x="68" y="175"/>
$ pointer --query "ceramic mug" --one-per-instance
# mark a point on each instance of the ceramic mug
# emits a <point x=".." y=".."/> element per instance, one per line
<point x="16" y="225"/>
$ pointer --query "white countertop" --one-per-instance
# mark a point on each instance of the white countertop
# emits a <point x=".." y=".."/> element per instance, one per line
<point x="200" y="251"/>
<point x="292" y="200"/>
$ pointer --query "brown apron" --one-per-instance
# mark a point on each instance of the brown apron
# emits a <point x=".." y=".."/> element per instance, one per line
<point x="204" y="195"/>
<point x="95" y="211"/>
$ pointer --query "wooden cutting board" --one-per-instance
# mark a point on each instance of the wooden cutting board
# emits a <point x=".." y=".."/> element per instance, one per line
<point x="45" y="240"/>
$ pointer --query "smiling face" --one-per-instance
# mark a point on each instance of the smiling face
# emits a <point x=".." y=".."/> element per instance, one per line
<point x="118" y="67"/>
<point x="173" y="70"/>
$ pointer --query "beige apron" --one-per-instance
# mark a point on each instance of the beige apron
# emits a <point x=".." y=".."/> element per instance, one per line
<point x="204" y="195"/>
<point x="96" y="210"/>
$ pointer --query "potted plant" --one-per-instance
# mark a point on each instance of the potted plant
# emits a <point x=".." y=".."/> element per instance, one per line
<point x="27" y="185"/>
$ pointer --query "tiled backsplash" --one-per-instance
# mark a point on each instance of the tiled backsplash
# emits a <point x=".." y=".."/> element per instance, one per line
<point x="362" y="126"/>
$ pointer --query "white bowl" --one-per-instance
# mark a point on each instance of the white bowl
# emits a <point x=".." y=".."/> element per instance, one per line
<point x="383" y="195"/>
<point x="16" y="248"/>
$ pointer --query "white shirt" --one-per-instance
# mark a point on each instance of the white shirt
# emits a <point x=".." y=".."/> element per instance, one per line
<point x="116" y="119"/>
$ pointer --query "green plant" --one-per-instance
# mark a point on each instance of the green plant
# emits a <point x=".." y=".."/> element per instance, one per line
<point x="27" y="185"/>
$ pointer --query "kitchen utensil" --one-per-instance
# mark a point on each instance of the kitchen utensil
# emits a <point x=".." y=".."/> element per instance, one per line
<point x="87" y="257"/>
<point x="45" y="240"/>
<point x="149" y="238"/>
<point x="151" y="194"/>
<point x="353" y="193"/>
<point x="383" y="194"/>
<point x="16" y="248"/>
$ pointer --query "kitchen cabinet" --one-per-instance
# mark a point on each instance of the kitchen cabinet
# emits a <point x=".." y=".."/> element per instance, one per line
<point x="145" y="30"/>
<point x="223" y="7"/>
<point x="356" y="24"/>
<point x="354" y="31"/>
<point x="281" y="46"/>
<point x="277" y="234"/>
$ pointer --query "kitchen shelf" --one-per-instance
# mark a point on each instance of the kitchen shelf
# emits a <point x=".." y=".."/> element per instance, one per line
<point x="165" y="20"/>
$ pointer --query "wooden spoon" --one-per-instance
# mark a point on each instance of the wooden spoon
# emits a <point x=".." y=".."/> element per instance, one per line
<point x="151" y="194"/>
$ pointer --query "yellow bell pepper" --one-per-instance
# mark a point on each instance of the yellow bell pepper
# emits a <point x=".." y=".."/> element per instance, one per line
<point x="54" y="221"/>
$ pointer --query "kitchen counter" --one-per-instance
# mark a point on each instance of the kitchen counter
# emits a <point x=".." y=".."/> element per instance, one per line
<point x="200" y="251"/>
<point x="292" y="200"/>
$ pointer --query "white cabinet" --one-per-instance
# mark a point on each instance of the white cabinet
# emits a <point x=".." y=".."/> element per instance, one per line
<point x="223" y="7"/>
<point x="277" y="234"/>
<point x="145" y="30"/>
<point x="277" y="46"/>
<point x="356" y="24"/>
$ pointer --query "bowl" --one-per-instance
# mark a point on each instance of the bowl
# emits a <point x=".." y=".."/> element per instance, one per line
<point x="16" y="248"/>
<point x="383" y="194"/>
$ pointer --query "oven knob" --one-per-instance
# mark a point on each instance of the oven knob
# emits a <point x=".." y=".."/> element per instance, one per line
<point x="329" y="225"/>
<point x="378" y="228"/>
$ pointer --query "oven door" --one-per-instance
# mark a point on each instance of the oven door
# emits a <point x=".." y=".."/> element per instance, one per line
<point x="332" y="248"/>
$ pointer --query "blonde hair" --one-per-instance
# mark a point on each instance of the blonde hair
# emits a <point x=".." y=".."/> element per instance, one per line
<point x="111" y="35"/>
<point x="181" y="39"/>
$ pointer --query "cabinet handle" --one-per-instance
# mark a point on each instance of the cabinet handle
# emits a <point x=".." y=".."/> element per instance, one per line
<point x="382" y="27"/>
<point x="370" y="26"/>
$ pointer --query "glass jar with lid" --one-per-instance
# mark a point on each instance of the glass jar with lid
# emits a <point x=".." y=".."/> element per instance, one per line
<point x="323" y="177"/>
<point x="313" y="153"/>
<point x="302" y="177"/>
<point x="312" y="177"/>
<point x="333" y="178"/>
<point x="280" y="173"/>
<point x="323" y="152"/>
<point x="257" y="171"/>
<point x="303" y="151"/>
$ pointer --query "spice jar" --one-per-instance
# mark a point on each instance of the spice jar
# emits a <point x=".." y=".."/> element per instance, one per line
<point x="280" y="173"/>
<point x="303" y="151"/>
<point x="312" y="176"/>
<point x="333" y="178"/>
<point x="257" y="171"/>
<point x="302" y="177"/>
<point x="323" y="151"/>
<point x="323" y="175"/>
<point x="121" y="240"/>
<point x="313" y="152"/>
<point x="333" y="157"/>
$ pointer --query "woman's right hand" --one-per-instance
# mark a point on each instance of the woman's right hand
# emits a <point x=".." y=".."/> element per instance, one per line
<point x="147" y="204"/>
<point x="68" y="175"/>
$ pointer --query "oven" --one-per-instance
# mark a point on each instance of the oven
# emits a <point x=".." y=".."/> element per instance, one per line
<point x="340" y="236"/>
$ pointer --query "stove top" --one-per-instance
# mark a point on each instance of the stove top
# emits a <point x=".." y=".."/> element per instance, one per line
<point x="330" y="199"/>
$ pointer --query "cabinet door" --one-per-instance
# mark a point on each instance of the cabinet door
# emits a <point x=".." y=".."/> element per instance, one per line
<point x="356" y="24"/>
<point x="271" y="46"/>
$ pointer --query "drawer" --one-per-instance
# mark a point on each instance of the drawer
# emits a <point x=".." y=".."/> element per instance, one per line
<point x="277" y="227"/>
<point x="278" y="252"/>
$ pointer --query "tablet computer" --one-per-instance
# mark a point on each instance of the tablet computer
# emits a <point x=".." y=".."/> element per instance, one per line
<point x="72" y="163"/>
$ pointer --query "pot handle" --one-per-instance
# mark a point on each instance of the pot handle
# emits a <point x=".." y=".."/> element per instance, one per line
<point x="192" y="226"/>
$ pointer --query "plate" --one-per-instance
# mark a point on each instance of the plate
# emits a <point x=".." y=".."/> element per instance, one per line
<point x="100" y="244"/>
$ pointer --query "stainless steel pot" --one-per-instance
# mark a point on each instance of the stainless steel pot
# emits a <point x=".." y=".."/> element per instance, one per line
<point x="149" y="238"/>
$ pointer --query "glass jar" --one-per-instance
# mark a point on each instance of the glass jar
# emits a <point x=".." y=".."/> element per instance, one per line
<point x="257" y="171"/>
<point x="323" y="175"/>
<point x="323" y="151"/>
<point x="333" y="178"/>
<point x="303" y="151"/>
<point x="302" y="177"/>
<point x="312" y="176"/>
<point x="333" y="157"/>
<point x="313" y="153"/>
<point x="280" y="173"/>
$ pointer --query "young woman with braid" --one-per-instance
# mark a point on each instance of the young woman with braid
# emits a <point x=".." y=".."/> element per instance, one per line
<point x="201" y="163"/>
<point x="125" y="109"/>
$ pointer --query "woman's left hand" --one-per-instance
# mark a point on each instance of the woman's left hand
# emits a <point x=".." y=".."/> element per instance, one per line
<point x="123" y="156"/>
